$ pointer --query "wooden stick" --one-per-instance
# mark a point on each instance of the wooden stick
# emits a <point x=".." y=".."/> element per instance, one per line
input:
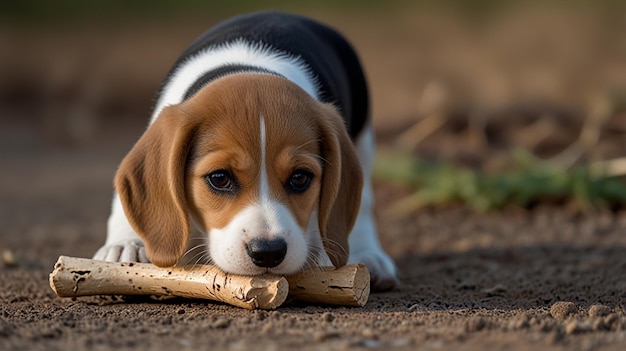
<point x="346" y="286"/>
<point x="73" y="277"/>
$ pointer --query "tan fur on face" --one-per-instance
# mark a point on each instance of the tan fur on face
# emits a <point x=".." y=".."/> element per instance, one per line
<point x="291" y="144"/>
<point x="162" y="179"/>
<point x="281" y="166"/>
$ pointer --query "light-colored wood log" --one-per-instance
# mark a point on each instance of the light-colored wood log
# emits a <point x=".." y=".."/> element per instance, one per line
<point x="74" y="277"/>
<point x="346" y="286"/>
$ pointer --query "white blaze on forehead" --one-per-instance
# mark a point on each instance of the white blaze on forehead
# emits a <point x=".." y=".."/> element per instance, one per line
<point x="264" y="191"/>
<point x="272" y="211"/>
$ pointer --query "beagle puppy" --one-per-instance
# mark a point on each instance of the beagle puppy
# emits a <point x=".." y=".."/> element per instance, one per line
<point x="257" y="157"/>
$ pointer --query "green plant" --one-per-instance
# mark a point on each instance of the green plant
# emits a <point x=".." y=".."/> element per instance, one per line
<point x="526" y="181"/>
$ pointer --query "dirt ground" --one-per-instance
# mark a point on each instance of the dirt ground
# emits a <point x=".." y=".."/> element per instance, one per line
<point x="546" y="278"/>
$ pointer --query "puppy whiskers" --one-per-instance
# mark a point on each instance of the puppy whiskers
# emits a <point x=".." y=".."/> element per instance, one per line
<point x="320" y="157"/>
<point x="315" y="261"/>
<point x="307" y="143"/>
<point x="312" y="154"/>
<point x="333" y="248"/>
<point x="202" y="254"/>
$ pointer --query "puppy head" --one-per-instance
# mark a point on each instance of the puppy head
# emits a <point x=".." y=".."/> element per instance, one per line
<point x="268" y="172"/>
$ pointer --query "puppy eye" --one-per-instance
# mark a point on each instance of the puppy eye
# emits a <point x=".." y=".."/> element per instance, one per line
<point x="221" y="181"/>
<point x="299" y="181"/>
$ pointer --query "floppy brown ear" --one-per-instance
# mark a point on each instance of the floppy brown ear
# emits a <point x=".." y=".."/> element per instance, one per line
<point x="342" y="182"/>
<point x="150" y="182"/>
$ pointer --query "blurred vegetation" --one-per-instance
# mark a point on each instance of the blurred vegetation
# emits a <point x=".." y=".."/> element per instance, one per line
<point x="528" y="181"/>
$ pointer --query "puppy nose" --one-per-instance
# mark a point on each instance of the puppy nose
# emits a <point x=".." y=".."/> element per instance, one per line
<point x="267" y="253"/>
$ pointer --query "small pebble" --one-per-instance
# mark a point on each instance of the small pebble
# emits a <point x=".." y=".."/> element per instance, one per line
<point x="369" y="343"/>
<point x="328" y="317"/>
<point x="610" y="320"/>
<point x="5" y="328"/>
<point x="9" y="259"/>
<point x="400" y="342"/>
<point x="534" y="321"/>
<point x="417" y="307"/>
<point x="326" y="334"/>
<point x="475" y="324"/>
<point x="181" y="311"/>
<point x="570" y="327"/>
<point x="545" y="326"/>
<point x="267" y="327"/>
<point x="519" y="323"/>
<point x="261" y="315"/>
<point x="561" y="309"/>
<point x="497" y="290"/>
<point x="598" y="325"/>
<point x="599" y="311"/>
<point x="167" y="320"/>
<point x="369" y="333"/>
<point x="555" y="337"/>
<point x="221" y="323"/>
<point x="576" y="327"/>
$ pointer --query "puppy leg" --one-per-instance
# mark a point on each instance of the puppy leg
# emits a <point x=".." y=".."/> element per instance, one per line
<point x="122" y="244"/>
<point x="364" y="245"/>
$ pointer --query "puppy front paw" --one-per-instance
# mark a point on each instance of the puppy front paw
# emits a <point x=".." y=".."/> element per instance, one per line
<point x="382" y="269"/>
<point x="122" y="251"/>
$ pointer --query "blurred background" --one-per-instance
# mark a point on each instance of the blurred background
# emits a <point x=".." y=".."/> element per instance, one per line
<point x="476" y="86"/>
